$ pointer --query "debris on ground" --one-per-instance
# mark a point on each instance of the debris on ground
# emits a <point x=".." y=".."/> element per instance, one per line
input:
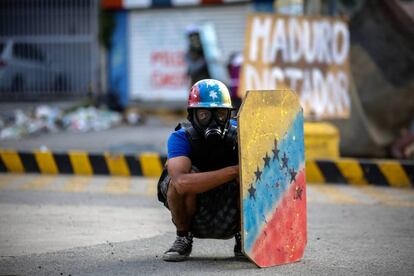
<point x="48" y="119"/>
<point x="91" y="119"/>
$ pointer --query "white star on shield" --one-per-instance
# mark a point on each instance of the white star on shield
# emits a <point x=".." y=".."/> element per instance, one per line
<point x="213" y="95"/>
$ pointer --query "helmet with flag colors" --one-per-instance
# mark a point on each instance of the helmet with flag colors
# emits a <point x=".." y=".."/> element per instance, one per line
<point x="209" y="93"/>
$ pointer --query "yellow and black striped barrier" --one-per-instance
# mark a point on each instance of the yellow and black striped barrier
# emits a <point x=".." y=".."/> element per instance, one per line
<point x="81" y="163"/>
<point x="394" y="173"/>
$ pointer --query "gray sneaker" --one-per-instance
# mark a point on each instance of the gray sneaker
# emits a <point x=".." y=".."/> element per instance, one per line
<point x="180" y="250"/>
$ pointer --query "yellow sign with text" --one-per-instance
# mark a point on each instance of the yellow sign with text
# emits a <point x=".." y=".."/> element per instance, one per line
<point x="309" y="55"/>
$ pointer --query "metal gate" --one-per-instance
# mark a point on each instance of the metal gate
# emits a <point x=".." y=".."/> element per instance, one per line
<point x="48" y="49"/>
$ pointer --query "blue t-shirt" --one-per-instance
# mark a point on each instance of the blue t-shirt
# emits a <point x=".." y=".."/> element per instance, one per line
<point x="178" y="144"/>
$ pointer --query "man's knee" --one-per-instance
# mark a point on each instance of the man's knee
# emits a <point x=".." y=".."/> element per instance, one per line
<point x="172" y="192"/>
<point x="178" y="188"/>
<point x="174" y="195"/>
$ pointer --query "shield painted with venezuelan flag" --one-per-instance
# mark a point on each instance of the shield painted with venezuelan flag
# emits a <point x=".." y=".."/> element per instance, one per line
<point x="272" y="164"/>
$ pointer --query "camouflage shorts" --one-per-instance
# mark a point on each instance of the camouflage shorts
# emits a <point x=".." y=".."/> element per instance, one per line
<point x="218" y="211"/>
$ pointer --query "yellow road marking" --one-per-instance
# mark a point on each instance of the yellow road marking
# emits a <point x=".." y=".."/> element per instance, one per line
<point x="352" y="171"/>
<point x="76" y="184"/>
<point x="151" y="187"/>
<point x="407" y="191"/>
<point x="11" y="160"/>
<point x="311" y="200"/>
<point x="6" y="179"/>
<point x="335" y="195"/>
<point x="38" y="183"/>
<point x="394" y="173"/>
<point x="150" y="164"/>
<point x="46" y="162"/>
<point x="386" y="198"/>
<point x="118" y="185"/>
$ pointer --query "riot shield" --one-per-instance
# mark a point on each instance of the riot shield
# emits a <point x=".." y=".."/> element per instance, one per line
<point x="273" y="185"/>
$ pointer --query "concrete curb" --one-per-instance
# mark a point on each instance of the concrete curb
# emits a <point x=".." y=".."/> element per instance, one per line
<point x="395" y="173"/>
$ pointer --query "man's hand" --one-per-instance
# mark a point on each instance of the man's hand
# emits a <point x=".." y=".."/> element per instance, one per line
<point x="235" y="171"/>
<point x="238" y="174"/>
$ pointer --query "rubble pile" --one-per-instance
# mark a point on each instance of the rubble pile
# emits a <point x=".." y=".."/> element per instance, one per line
<point x="90" y="119"/>
<point x="17" y="124"/>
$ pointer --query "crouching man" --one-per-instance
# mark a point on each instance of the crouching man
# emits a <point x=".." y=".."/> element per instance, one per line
<point x="200" y="186"/>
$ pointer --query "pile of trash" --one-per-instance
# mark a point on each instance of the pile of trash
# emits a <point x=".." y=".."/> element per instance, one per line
<point x="44" y="118"/>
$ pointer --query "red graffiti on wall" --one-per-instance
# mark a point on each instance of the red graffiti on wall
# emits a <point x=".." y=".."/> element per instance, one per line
<point x="168" y="69"/>
<point x="168" y="58"/>
<point x="168" y="80"/>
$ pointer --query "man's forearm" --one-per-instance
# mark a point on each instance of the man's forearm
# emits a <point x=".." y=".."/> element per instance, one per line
<point x="195" y="183"/>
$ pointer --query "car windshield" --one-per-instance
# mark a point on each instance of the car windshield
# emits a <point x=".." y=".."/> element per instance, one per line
<point x="28" y="51"/>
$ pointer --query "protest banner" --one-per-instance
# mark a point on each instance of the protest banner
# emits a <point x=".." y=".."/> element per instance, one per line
<point x="307" y="54"/>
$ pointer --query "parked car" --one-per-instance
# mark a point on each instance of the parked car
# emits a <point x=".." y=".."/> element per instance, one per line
<point x="24" y="66"/>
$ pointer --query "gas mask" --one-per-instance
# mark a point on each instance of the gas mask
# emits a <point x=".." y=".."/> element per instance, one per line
<point x="212" y="123"/>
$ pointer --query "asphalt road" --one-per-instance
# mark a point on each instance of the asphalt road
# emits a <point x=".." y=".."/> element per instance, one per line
<point x="114" y="226"/>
